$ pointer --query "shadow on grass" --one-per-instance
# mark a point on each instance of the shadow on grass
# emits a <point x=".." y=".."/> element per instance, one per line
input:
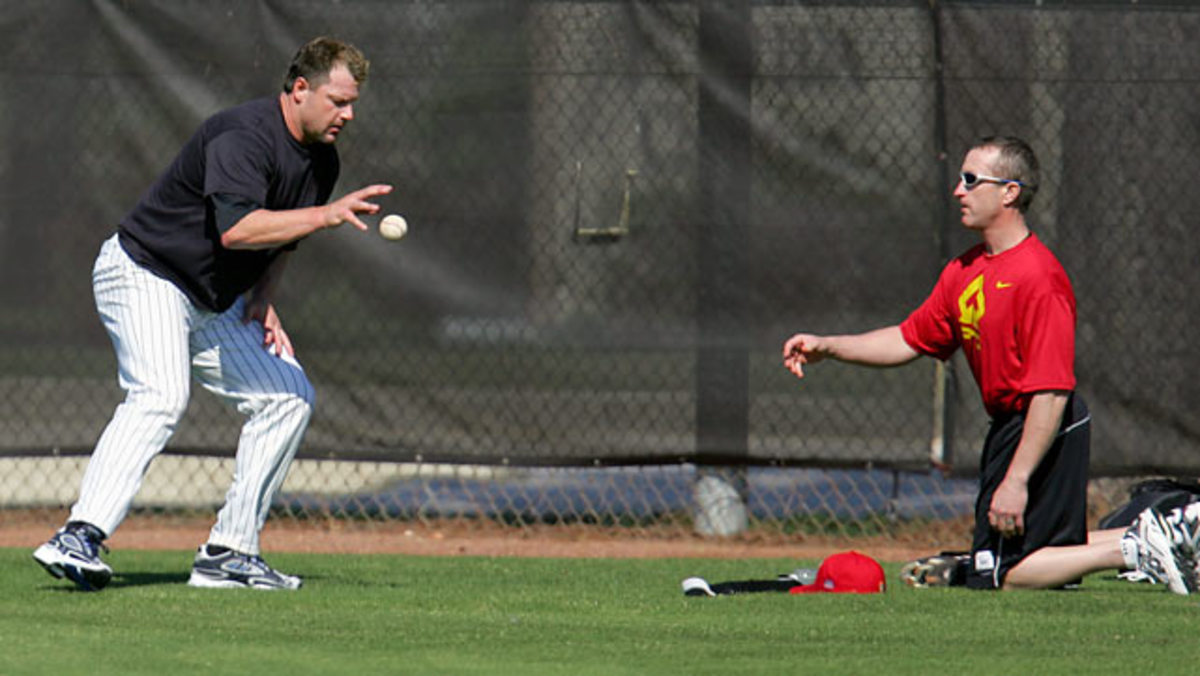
<point x="147" y="579"/>
<point x="120" y="580"/>
<point x="151" y="579"/>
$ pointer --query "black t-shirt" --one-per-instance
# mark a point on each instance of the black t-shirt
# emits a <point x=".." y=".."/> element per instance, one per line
<point x="245" y="153"/>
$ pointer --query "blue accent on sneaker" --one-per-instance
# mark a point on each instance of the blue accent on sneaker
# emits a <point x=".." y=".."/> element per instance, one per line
<point x="1165" y="547"/>
<point x="1182" y="526"/>
<point x="74" y="553"/>
<point x="234" y="570"/>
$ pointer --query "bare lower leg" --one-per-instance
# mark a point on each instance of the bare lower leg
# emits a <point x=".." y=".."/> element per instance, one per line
<point x="1052" y="567"/>
<point x="1110" y="535"/>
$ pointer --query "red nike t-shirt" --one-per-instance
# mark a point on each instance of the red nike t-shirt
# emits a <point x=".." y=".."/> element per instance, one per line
<point x="1013" y="314"/>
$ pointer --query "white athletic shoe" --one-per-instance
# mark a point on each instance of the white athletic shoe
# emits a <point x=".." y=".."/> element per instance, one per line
<point x="234" y="570"/>
<point x="1183" y="525"/>
<point x="74" y="553"/>
<point x="1164" y="546"/>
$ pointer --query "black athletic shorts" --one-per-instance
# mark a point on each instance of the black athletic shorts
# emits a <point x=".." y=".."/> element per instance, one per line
<point x="1056" y="514"/>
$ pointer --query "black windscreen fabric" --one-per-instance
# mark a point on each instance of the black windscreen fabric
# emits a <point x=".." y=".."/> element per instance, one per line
<point x="619" y="211"/>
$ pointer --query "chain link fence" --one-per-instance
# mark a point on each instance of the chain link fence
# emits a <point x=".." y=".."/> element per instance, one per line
<point x="619" y="212"/>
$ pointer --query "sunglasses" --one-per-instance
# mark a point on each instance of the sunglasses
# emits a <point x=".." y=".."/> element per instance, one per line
<point x="972" y="180"/>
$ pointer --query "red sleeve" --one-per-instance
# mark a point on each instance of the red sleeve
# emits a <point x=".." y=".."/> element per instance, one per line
<point x="930" y="328"/>
<point x="1047" y="336"/>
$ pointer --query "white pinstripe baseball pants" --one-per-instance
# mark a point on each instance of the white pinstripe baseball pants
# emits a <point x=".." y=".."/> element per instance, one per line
<point x="162" y="340"/>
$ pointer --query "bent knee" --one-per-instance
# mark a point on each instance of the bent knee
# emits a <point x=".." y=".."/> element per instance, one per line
<point x="169" y="403"/>
<point x="290" y="385"/>
<point x="305" y="393"/>
<point x="298" y="395"/>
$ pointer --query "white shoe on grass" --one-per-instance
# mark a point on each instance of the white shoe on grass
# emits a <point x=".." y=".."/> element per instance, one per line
<point x="1165" y="547"/>
<point x="74" y="553"/>
<point x="229" y="569"/>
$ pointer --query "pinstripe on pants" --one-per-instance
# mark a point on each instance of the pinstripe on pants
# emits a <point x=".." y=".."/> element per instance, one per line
<point x="162" y="340"/>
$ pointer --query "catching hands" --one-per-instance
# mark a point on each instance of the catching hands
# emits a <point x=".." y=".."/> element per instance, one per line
<point x="347" y="209"/>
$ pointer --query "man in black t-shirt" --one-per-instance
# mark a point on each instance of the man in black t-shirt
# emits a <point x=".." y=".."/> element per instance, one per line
<point x="184" y="290"/>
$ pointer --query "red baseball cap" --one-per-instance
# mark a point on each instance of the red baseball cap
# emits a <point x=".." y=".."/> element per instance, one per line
<point x="847" y="573"/>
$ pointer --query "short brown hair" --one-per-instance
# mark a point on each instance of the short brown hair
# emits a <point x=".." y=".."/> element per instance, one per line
<point x="315" y="59"/>
<point x="1016" y="160"/>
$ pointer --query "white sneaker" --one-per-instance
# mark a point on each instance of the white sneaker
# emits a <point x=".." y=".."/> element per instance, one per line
<point x="1159" y="548"/>
<point x="235" y="570"/>
<point x="74" y="553"/>
<point x="1182" y="524"/>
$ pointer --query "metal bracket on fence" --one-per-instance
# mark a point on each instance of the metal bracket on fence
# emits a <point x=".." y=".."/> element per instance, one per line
<point x="603" y="235"/>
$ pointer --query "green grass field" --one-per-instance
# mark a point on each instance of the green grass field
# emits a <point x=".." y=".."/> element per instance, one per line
<point x="468" y="615"/>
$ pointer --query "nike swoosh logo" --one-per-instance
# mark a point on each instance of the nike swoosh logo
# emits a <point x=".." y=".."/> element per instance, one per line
<point x="1003" y="285"/>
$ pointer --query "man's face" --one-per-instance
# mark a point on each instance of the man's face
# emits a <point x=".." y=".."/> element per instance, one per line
<point x="324" y="110"/>
<point x="983" y="204"/>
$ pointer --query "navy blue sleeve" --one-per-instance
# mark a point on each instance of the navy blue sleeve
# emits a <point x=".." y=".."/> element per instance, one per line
<point x="238" y="162"/>
<point x="228" y="209"/>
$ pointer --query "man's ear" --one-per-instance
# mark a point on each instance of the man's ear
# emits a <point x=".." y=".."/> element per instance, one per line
<point x="300" y="89"/>
<point x="1012" y="191"/>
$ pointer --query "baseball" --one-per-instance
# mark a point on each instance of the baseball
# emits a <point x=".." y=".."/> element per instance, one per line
<point x="393" y="226"/>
